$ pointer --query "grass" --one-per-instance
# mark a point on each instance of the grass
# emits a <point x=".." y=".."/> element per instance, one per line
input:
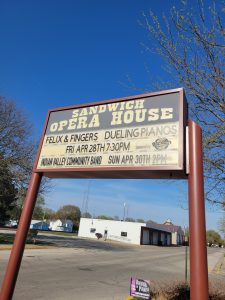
<point x="69" y="234"/>
<point x="8" y="239"/>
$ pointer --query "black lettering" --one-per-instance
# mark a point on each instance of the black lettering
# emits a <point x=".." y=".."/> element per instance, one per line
<point x="114" y="159"/>
<point x="46" y="161"/>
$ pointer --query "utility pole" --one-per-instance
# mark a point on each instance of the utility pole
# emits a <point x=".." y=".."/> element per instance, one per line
<point x="124" y="210"/>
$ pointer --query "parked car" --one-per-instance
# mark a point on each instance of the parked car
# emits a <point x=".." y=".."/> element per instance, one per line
<point x="11" y="224"/>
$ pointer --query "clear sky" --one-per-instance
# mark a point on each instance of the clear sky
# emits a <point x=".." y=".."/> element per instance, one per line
<point x="58" y="53"/>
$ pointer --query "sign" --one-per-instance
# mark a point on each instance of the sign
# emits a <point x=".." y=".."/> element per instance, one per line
<point x="140" y="288"/>
<point x="144" y="132"/>
<point x="82" y="127"/>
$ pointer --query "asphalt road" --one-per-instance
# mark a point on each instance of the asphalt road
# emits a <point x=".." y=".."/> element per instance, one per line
<point x="85" y="269"/>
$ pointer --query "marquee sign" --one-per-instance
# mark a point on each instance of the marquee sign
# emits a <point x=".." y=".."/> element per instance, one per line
<point x="135" y="137"/>
<point x="115" y="138"/>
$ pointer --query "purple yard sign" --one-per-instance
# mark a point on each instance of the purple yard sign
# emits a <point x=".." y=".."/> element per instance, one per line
<point x="140" y="288"/>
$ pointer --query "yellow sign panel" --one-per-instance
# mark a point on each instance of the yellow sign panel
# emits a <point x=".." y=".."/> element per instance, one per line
<point x="142" y="146"/>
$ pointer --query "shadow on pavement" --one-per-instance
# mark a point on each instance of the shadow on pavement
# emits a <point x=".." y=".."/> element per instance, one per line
<point x="80" y="243"/>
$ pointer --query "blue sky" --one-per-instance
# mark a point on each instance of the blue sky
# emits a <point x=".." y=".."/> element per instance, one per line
<point x="58" y="53"/>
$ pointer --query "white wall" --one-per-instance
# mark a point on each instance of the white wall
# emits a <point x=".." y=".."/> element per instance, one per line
<point x="56" y="225"/>
<point x="177" y="237"/>
<point x="114" y="229"/>
<point x="174" y="238"/>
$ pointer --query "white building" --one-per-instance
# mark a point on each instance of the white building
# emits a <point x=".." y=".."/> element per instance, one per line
<point x="127" y="232"/>
<point x="58" y="225"/>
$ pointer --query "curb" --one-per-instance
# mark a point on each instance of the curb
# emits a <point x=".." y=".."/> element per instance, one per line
<point x="28" y="247"/>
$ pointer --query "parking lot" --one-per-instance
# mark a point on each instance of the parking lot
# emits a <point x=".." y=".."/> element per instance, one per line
<point x="91" y="269"/>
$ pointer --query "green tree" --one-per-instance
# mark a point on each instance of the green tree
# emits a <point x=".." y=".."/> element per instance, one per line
<point x="8" y="192"/>
<point x="39" y="212"/>
<point x="104" y="217"/>
<point x="86" y="215"/>
<point x="140" y="220"/>
<point x="213" y="237"/>
<point x="129" y="219"/>
<point x="49" y="214"/>
<point x="150" y="221"/>
<point x="18" y="205"/>
<point x="191" y="40"/>
<point x="69" y="212"/>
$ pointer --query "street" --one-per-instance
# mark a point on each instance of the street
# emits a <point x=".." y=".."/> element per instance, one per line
<point x="90" y="269"/>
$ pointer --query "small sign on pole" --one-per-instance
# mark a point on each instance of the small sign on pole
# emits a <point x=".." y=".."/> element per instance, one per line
<point x="140" y="288"/>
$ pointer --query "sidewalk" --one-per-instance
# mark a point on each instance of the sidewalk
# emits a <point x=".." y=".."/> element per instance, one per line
<point x="220" y="266"/>
<point x="27" y="247"/>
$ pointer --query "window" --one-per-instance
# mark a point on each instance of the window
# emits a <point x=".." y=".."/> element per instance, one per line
<point x="92" y="230"/>
<point x="123" y="233"/>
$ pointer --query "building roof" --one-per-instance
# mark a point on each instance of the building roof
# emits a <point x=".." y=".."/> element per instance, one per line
<point x="36" y="221"/>
<point x="169" y="228"/>
<point x="62" y="222"/>
<point x="156" y="226"/>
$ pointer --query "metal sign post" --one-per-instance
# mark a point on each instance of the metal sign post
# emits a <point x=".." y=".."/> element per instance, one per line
<point x="197" y="228"/>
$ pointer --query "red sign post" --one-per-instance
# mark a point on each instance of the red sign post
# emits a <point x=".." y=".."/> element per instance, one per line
<point x="135" y="137"/>
<point x="13" y="267"/>
<point x="197" y="228"/>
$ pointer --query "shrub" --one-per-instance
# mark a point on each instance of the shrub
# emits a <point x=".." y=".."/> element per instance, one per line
<point x="179" y="290"/>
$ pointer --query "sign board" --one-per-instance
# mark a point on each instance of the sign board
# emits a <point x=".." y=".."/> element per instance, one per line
<point x="141" y="133"/>
<point x="140" y="288"/>
<point x="136" y="137"/>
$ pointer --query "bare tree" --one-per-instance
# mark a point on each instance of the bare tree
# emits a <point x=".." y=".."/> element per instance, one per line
<point x="191" y="40"/>
<point x="222" y="225"/>
<point x="17" y="149"/>
<point x="16" y="146"/>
